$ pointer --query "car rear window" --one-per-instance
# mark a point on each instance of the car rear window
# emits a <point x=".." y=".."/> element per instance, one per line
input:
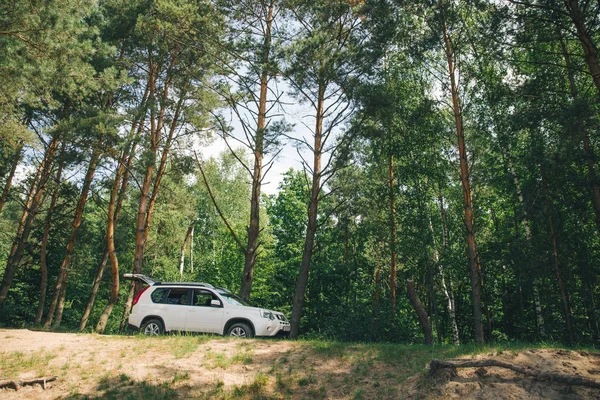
<point x="160" y="295"/>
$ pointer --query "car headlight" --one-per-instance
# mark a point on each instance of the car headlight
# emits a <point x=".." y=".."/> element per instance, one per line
<point x="267" y="314"/>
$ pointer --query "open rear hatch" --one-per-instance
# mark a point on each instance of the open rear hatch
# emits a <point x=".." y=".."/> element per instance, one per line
<point x="140" y="278"/>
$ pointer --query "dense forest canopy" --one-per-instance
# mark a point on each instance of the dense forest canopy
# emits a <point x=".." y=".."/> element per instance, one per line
<point x="447" y="187"/>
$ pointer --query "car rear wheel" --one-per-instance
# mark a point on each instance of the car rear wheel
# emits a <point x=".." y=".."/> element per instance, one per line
<point x="152" y="327"/>
<point x="239" y="329"/>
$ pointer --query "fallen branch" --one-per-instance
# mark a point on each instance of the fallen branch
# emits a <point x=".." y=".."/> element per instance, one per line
<point x="436" y="365"/>
<point x="16" y="384"/>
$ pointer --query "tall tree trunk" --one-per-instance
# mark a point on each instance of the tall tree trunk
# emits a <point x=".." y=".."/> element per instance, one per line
<point x="128" y="155"/>
<point x="183" y="247"/>
<point x="94" y="290"/>
<point x="311" y="228"/>
<point x="147" y="201"/>
<point x="589" y="50"/>
<point x="110" y="247"/>
<point x="57" y="304"/>
<point x="11" y="174"/>
<point x="392" y="231"/>
<point x="377" y="282"/>
<point x="44" y="245"/>
<point x="29" y="215"/>
<point x="192" y="250"/>
<point x="472" y="254"/>
<point x="420" y="310"/>
<point x="254" y="226"/>
<point x="448" y="289"/>
<point x="525" y="218"/>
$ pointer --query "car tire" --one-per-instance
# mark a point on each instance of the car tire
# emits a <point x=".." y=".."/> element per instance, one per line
<point x="240" y="329"/>
<point x="152" y="327"/>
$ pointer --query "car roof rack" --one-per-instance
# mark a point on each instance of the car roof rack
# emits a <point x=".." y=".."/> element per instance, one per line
<point x="202" y="284"/>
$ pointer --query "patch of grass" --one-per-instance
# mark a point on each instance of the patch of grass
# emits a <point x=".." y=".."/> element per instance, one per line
<point x="243" y="357"/>
<point x="359" y="394"/>
<point x="283" y="384"/>
<point x="181" y="376"/>
<point x="319" y="393"/>
<point x="329" y="348"/>
<point x="254" y="390"/>
<point x="184" y="346"/>
<point x="12" y="364"/>
<point x="130" y="390"/>
<point x="307" y="380"/>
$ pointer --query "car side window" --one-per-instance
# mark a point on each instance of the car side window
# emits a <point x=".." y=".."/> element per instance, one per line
<point x="178" y="296"/>
<point x="159" y="295"/>
<point x="203" y="298"/>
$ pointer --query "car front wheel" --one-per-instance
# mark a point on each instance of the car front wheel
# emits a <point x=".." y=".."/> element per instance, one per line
<point x="239" y="329"/>
<point x="152" y="327"/>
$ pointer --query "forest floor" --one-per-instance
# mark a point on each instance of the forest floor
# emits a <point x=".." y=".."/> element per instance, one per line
<point x="179" y="366"/>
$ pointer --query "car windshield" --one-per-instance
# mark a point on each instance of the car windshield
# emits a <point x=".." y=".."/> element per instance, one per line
<point x="232" y="298"/>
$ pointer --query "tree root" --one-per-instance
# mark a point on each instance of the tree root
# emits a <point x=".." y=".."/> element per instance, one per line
<point x="437" y="365"/>
<point x="16" y="384"/>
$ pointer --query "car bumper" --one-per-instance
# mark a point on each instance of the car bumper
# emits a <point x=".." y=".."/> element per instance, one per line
<point x="272" y="328"/>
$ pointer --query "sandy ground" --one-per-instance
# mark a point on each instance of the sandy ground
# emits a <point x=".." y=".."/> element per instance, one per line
<point x="501" y="383"/>
<point x="90" y="365"/>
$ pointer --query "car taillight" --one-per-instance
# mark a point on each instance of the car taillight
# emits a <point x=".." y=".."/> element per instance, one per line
<point x="135" y="300"/>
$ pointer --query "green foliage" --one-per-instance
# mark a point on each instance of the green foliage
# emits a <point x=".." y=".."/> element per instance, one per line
<point x="78" y="71"/>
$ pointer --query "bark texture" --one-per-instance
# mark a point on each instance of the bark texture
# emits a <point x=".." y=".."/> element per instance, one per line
<point x="56" y="307"/>
<point x="257" y="173"/>
<point x="47" y="225"/>
<point x="311" y="228"/>
<point x="29" y="214"/>
<point x="415" y="302"/>
<point x="589" y="50"/>
<point x="472" y="254"/>
<point x="392" y="231"/>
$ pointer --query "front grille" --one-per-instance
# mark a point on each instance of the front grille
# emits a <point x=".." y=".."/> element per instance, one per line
<point x="281" y="317"/>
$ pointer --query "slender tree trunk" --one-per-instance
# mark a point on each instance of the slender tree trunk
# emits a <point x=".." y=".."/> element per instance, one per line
<point x="94" y="290"/>
<point x="57" y="304"/>
<point x="110" y="247"/>
<point x="377" y="282"/>
<point x="147" y="201"/>
<point x="47" y="226"/>
<point x="29" y="215"/>
<point x="447" y="288"/>
<point x="311" y="229"/>
<point x="183" y="247"/>
<point x="129" y="156"/>
<point x="11" y="174"/>
<point x="589" y="50"/>
<point x="420" y="310"/>
<point x="254" y="226"/>
<point x="392" y="231"/>
<point x="192" y="250"/>
<point x="473" y="255"/>
<point x="536" y="293"/>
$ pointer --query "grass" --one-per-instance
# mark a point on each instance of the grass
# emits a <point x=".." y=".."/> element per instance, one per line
<point x="14" y="363"/>
<point x="192" y="366"/>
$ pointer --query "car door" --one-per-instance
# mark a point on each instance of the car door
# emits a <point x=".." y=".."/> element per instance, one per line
<point x="174" y="308"/>
<point x="203" y="315"/>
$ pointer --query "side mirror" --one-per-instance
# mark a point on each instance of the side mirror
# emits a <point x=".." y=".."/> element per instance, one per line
<point x="215" y="303"/>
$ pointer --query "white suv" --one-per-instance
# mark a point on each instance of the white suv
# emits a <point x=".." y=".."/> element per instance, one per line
<point x="199" y="307"/>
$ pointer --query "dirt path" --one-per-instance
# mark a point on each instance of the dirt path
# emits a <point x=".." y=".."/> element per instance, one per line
<point x="90" y="366"/>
